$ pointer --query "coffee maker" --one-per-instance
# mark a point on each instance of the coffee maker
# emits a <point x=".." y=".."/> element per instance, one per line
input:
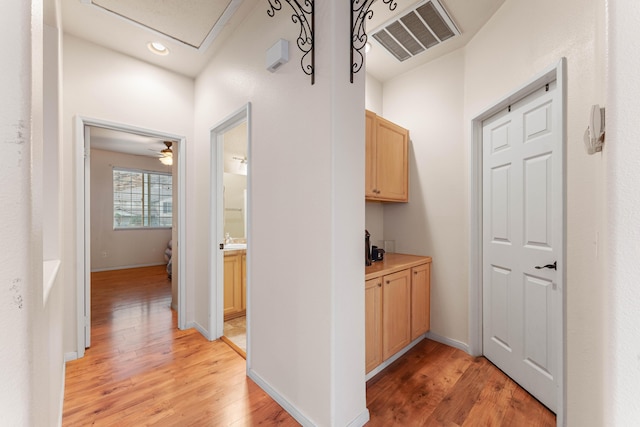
<point x="367" y="248"/>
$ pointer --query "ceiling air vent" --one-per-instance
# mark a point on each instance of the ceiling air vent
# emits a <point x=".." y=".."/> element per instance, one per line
<point x="417" y="30"/>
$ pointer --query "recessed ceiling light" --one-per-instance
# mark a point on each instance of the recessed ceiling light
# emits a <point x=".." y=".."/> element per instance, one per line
<point x="158" y="48"/>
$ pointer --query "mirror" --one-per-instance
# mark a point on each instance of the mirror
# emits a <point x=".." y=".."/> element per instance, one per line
<point x="235" y="183"/>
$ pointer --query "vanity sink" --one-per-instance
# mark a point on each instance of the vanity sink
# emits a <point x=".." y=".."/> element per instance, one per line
<point x="234" y="246"/>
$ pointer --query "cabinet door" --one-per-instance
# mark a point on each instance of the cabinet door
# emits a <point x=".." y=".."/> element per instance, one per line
<point x="243" y="305"/>
<point x="396" y="312"/>
<point x="232" y="284"/>
<point x="373" y="323"/>
<point x="370" y="155"/>
<point x="420" y="300"/>
<point x="392" y="166"/>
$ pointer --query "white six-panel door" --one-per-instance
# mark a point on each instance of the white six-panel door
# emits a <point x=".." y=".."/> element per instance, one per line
<point x="522" y="230"/>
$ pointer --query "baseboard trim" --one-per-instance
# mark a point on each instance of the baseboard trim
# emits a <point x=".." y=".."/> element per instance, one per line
<point x="297" y="415"/>
<point x="124" y="267"/>
<point x="200" y="329"/>
<point x="448" y="341"/>
<point x="360" y="420"/>
<point x="73" y="355"/>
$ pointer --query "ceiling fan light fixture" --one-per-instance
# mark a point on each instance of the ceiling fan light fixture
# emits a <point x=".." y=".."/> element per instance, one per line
<point x="158" y="48"/>
<point x="166" y="160"/>
<point x="166" y="155"/>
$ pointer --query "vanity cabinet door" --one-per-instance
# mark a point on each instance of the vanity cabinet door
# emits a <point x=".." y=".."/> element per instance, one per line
<point x="373" y="323"/>
<point x="232" y="285"/>
<point x="420" y="300"/>
<point x="396" y="312"/>
<point x="244" y="282"/>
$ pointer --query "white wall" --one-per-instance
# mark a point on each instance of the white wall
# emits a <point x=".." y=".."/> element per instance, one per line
<point x="521" y="40"/>
<point x="31" y="364"/>
<point x="373" y="95"/>
<point x="101" y="84"/>
<point x="19" y="298"/>
<point x="112" y="249"/>
<point x="429" y="102"/>
<point x="622" y="155"/>
<point x="306" y="170"/>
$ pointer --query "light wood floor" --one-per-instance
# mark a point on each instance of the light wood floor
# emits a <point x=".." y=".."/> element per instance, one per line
<point x="141" y="370"/>
<point x="437" y="385"/>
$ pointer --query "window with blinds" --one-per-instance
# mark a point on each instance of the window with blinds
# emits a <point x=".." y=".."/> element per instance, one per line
<point x="142" y="199"/>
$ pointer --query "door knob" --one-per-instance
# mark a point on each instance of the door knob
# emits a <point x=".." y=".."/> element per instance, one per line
<point x="549" y="266"/>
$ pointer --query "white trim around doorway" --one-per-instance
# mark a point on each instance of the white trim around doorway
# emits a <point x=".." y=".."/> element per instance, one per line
<point x="558" y="73"/>
<point x="82" y="212"/>
<point x="216" y="278"/>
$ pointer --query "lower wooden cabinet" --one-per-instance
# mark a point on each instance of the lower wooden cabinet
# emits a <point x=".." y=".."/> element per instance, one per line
<point x="420" y="300"/>
<point x="373" y="322"/>
<point x="396" y="311"/>
<point x="234" y="284"/>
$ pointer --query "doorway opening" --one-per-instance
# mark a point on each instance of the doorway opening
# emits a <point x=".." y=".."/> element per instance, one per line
<point x="230" y="248"/>
<point x="123" y="141"/>
<point x="518" y="210"/>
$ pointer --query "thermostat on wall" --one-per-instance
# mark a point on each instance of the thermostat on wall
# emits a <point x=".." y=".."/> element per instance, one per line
<point x="277" y="55"/>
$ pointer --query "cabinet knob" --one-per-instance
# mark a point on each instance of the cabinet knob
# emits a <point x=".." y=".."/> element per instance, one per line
<point x="388" y="281"/>
<point x="380" y="284"/>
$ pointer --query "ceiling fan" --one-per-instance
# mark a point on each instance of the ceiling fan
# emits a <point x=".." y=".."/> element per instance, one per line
<point x="166" y="155"/>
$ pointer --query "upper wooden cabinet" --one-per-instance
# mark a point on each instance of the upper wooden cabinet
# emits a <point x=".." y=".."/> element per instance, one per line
<point x="387" y="165"/>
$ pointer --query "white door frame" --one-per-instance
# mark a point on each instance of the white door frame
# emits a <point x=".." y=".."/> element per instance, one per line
<point x="83" y="211"/>
<point x="216" y="278"/>
<point x="557" y="73"/>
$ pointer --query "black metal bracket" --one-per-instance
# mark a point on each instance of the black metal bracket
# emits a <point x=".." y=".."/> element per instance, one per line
<point x="303" y="15"/>
<point x="360" y="12"/>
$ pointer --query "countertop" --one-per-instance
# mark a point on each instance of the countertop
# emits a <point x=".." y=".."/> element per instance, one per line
<point x="393" y="263"/>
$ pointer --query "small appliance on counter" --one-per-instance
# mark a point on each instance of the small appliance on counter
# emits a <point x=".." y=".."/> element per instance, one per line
<point x="377" y="254"/>
<point x="367" y="248"/>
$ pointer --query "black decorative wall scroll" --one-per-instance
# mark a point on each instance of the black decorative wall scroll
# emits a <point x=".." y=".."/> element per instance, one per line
<point x="303" y="15"/>
<point x="360" y="12"/>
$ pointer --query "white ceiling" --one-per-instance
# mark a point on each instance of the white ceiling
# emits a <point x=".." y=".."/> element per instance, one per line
<point x="124" y="142"/>
<point x="178" y="26"/>
<point x="194" y="30"/>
